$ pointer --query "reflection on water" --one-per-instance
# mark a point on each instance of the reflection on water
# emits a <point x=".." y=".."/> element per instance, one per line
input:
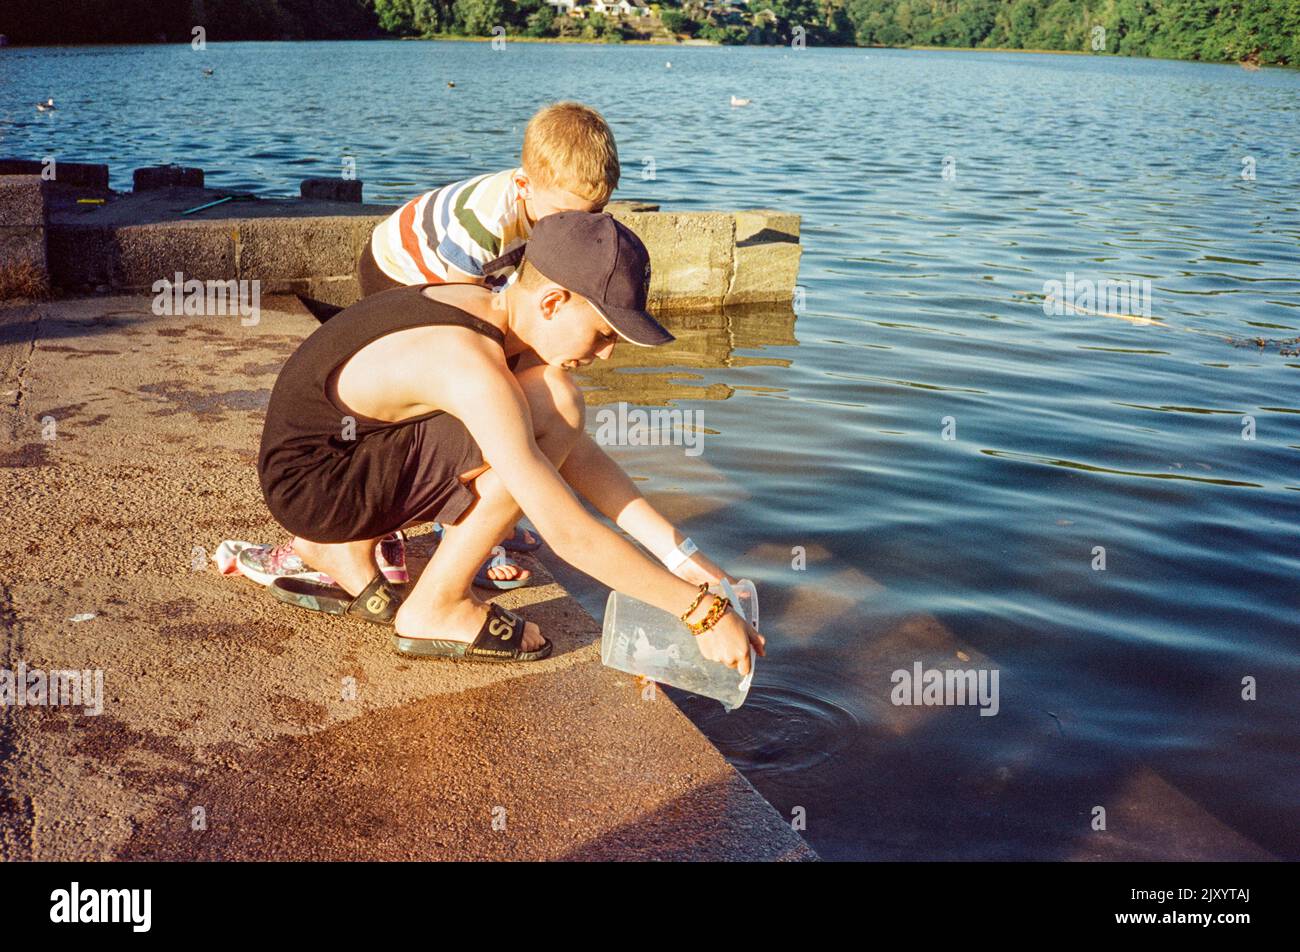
<point x="922" y="466"/>
<point x="654" y="376"/>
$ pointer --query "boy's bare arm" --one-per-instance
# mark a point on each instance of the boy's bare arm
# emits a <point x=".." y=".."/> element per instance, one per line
<point x="488" y="400"/>
<point x="602" y="482"/>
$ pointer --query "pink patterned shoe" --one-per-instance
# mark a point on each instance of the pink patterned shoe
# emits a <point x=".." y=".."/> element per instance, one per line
<point x="266" y="563"/>
<point x="390" y="553"/>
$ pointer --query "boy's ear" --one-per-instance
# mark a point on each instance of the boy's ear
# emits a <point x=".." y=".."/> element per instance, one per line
<point x="524" y="184"/>
<point x="552" y="299"/>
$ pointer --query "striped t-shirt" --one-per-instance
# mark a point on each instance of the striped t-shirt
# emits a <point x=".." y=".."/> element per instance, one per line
<point x="465" y="225"/>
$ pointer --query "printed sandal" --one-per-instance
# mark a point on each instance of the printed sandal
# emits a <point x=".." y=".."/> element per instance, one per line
<point x="499" y="640"/>
<point x="481" y="577"/>
<point x="516" y="542"/>
<point x="378" y="601"/>
<point x="483" y="580"/>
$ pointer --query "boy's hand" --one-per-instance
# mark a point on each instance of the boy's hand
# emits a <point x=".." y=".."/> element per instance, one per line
<point x="729" y="641"/>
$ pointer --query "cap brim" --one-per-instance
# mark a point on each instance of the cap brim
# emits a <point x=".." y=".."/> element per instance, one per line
<point x="635" y="326"/>
<point x="510" y="260"/>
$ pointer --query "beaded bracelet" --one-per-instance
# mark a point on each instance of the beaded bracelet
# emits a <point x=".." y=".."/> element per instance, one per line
<point x="704" y="590"/>
<point x="716" y="611"/>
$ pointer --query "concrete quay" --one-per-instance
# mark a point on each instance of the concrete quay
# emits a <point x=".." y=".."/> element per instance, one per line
<point x="73" y="234"/>
<point x="236" y="727"/>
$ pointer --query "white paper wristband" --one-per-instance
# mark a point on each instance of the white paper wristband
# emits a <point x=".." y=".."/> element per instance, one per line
<point x="680" y="554"/>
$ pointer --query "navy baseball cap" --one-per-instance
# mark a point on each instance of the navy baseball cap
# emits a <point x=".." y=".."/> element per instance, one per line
<point x="594" y="255"/>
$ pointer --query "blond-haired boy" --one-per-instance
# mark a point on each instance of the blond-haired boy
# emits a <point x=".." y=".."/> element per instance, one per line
<point x="569" y="162"/>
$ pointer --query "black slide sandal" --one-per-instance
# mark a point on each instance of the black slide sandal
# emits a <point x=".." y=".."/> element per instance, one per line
<point x="499" y="640"/>
<point x="378" y="601"/>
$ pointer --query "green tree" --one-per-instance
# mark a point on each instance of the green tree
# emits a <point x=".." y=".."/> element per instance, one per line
<point x="612" y="30"/>
<point x="593" y="26"/>
<point x="414" y="17"/>
<point x="478" y="17"/>
<point x="675" y="21"/>
<point x="541" y="22"/>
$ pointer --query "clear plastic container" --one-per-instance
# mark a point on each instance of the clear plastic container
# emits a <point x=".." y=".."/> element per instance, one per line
<point x="640" y="639"/>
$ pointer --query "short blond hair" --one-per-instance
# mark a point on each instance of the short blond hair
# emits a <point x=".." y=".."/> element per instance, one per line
<point x="568" y="145"/>
<point x="528" y="277"/>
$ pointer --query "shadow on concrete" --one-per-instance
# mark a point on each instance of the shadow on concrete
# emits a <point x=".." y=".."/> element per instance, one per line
<point x="704" y="824"/>
<point x="766" y="236"/>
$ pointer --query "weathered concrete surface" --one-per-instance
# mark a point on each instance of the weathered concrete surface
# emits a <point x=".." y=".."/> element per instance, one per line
<point x="307" y="247"/>
<point x="24" y="268"/>
<point x="218" y="697"/>
<point x="702" y="260"/>
<point x="690" y="255"/>
<point x="765" y="258"/>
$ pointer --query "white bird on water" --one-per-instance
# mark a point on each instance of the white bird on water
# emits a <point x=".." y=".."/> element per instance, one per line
<point x="668" y="65"/>
<point x="46" y="106"/>
<point x="737" y="101"/>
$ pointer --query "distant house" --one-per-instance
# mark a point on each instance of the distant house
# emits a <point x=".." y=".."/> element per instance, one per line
<point x="572" y="8"/>
<point x="623" y="8"/>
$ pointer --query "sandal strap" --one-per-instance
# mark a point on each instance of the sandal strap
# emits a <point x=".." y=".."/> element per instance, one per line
<point x="377" y="601"/>
<point x="502" y="634"/>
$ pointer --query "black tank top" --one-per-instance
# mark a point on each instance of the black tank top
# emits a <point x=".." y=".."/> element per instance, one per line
<point x="311" y="447"/>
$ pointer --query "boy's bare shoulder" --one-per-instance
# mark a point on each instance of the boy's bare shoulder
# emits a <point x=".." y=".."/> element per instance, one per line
<point x="471" y="360"/>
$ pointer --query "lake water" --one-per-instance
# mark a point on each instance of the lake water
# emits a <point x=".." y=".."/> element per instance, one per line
<point x="920" y="466"/>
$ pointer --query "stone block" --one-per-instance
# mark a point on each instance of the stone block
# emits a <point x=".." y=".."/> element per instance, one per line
<point x="271" y="248"/>
<point x="626" y="205"/>
<point x="24" y="261"/>
<point x="766" y="257"/>
<point x="81" y="257"/>
<point x="331" y="189"/>
<point x="81" y="175"/>
<point x="690" y="256"/>
<point x="144" y="254"/>
<point x="167" y="176"/>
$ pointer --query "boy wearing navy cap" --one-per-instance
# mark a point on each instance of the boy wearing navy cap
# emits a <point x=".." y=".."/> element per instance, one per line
<point x="448" y="403"/>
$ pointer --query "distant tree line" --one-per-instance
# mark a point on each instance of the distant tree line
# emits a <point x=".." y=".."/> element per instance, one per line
<point x="1264" y="31"/>
<point x="1259" y="31"/>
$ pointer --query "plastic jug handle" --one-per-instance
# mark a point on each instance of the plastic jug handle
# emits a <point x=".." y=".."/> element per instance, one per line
<point x="743" y="687"/>
<point x="730" y="592"/>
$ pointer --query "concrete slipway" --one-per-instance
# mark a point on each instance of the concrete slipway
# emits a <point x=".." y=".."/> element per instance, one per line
<point x="221" y="700"/>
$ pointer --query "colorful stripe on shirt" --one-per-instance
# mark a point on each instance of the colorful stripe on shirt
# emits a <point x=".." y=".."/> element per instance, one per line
<point x="463" y="225"/>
